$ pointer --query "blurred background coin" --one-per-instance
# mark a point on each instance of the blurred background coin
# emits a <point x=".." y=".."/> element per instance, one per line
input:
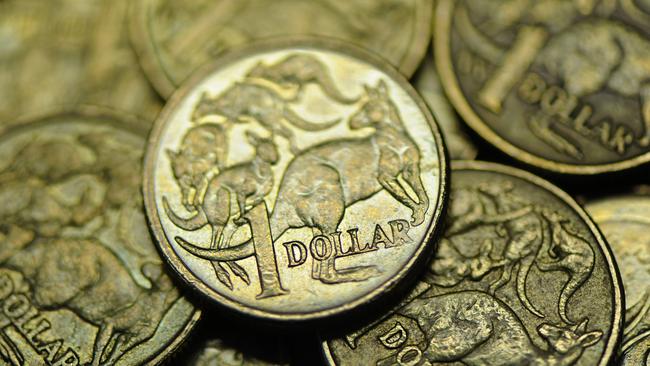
<point x="522" y="276"/>
<point x="174" y="38"/>
<point x="562" y="85"/>
<point x="69" y="52"/>
<point x="295" y="180"/>
<point x="81" y="282"/>
<point x="625" y="222"/>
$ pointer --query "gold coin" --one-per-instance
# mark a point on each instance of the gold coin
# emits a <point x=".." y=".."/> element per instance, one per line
<point x="174" y="38"/>
<point x="295" y="180"/>
<point x="522" y="276"/>
<point x="427" y="82"/>
<point x="217" y="352"/>
<point x="562" y="85"/>
<point x="69" y="52"/>
<point x="81" y="282"/>
<point x="625" y="222"/>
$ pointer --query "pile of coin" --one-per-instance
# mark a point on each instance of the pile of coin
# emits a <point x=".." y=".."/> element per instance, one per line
<point x="324" y="182"/>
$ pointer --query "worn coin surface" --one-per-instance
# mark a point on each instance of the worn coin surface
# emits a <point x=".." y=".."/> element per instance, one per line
<point x="295" y="180"/>
<point x="427" y="82"/>
<point x="559" y="84"/>
<point x="625" y="222"/>
<point x="522" y="276"/>
<point x="66" y="52"/>
<point x="81" y="282"/>
<point x="175" y="37"/>
<point x="215" y="352"/>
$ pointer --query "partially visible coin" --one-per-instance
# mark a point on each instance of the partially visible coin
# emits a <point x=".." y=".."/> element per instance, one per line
<point x="427" y="82"/>
<point x="295" y="180"/>
<point x="67" y="52"/>
<point x="81" y="282"/>
<point x="215" y="352"/>
<point x="559" y="84"/>
<point x="625" y="222"/>
<point x="522" y="276"/>
<point x="174" y="38"/>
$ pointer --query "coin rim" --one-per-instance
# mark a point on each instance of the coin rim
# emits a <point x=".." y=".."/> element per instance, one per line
<point x="148" y="57"/>
<point x="618" y="303"/>
<point x="122" y="121"/>
<point x="417" y="260"/>
<point x="442" y="45"/>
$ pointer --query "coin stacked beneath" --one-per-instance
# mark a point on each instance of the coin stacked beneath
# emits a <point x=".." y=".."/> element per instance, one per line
<point x="289" y="182"/>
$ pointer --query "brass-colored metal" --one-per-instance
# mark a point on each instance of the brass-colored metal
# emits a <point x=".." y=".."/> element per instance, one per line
<point x="625" y="222"/>
<point x="174" y="38"/>
<point x="558" y="84"/>
<point x="69" y="52"/>
<point x="427" y="82"/>
<point x="522" y="276"/>
<point x="81" y="282"/>
<point x="215" y="352"/>
<point x="285" y="157"/>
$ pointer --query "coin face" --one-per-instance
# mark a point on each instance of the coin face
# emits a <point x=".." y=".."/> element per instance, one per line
<point x="625" y="222"/>
<point x="427" y="82"/>
<point x="522" y="276"/>
<point x="174" y="38"/>
<point x="80" y="280"/>
<point x="69" y="52"/>
<point x="215" y="352"/>
<point x="558" y="84"/>
<point x="295" y="180"/>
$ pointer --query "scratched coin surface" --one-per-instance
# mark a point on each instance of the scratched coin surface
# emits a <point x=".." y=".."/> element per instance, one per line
<point x="295" y="180"/>
<point x="427" y="82"/>
<point x="522" y="276"/>
<point x="69" y="52"/>
<point x="81" y="282"/>
<point x="625" y="222"/>
<point x="563" y="85"/>
<point x="175" y="37"/>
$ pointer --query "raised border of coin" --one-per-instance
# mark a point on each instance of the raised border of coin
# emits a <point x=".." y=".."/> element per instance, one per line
<point x="410" y="268"/>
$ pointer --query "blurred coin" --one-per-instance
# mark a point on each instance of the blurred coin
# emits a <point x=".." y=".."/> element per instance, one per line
<point x="81" y="282"/>
<point x="522" y="276"/>
<point x="295" y="180"/>
<point x="625" y="222"/>
<point x="562" y="85"/>
<point x="68" y="52"/>
<point x="427" y="82"/>
<point x="175" y="37"/>
<point x="217" y="352"/>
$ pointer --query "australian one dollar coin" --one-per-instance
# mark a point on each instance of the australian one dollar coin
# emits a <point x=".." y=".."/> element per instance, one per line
<point x="562" y="85"/>
<point x="294" y="180"/>
<point x="69" y="52"/>
<point x="81" y="282"/>
<point x="521" y="276"/>
<point x="173" y="38"/>
<point x="625" y="222"/>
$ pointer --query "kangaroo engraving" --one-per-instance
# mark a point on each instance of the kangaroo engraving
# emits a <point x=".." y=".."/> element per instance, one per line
<point x="477" y="329"/>
<point x="569" y="253"/>
<point x="260" y="103"/>
<point x="322" y="181"/>
<point x="250" y="182"/>
<point x="593" y="55"/>
<point x="296" y="71"/>
<point x="203" y="152"/>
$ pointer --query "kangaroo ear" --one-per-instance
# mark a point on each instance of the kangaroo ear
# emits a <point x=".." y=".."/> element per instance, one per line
<point x="171" y="153"/>
<point x="589" y="339"/>
<point x="382" y="88"/>
<point x="369" y="91"/>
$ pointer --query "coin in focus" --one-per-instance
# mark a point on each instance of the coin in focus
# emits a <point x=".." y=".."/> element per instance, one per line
<point x="625" y="222"/>
<point x="295" y="180"/>
<point x="69" y="52"/>
<point x="522" y="276"/>
<point x="427" y="82"/>
<point x="81" y="282"/>
<point x="174" y="38"/>
<point x="560" y="85"/>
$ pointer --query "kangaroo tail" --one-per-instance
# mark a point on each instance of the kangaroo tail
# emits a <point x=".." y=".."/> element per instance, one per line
<point x="575" y="281"/>
<point x="329" y="87"/>
<point x="237" y="252"/>
<point x="522" y="275"/>
<point x="195" y="222"/>
<point x="303" y="124"/>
